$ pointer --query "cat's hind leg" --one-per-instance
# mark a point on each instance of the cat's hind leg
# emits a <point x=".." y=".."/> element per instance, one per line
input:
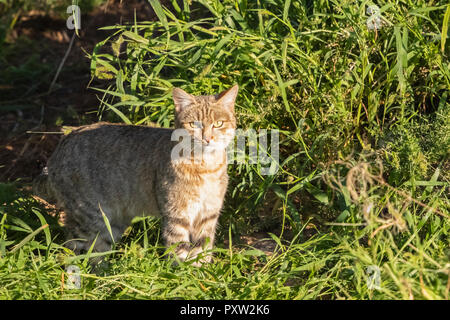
<point x="85" y="228"/>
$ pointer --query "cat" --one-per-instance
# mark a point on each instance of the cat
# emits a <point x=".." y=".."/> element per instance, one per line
<point x="124" y="171"/>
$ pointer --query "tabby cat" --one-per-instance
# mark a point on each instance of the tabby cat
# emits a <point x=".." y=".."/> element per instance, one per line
<point x="124" y="171"/>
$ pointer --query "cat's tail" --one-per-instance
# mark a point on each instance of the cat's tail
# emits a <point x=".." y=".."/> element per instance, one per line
<point x="41" y="186"/>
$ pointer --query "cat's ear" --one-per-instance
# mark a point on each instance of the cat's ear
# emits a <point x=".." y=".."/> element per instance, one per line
<point x="228" y="97"/>
<point x="181" y="99"/>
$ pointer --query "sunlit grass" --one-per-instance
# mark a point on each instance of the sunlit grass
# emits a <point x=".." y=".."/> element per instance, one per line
<point x="364" y="146"/>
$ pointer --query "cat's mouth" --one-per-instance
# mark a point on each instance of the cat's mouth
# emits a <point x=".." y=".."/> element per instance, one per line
<point x="211" y="146"/>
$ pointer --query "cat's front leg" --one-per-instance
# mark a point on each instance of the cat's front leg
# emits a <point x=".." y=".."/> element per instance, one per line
<point x="202" y="235"/>
<point x="176" y="231"/>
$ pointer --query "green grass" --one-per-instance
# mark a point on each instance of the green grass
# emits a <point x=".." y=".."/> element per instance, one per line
<point x="332" y="264"/>
<point x="364" y="145"/>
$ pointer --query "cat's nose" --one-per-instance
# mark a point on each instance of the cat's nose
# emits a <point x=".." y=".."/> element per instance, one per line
<point x="207" y="139"/>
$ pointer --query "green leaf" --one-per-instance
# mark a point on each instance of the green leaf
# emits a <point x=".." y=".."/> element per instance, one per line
<point x="344" y="215"/>
<point x="156" y="5"/>
<point x="311" y="266"/>
<point x="135" y="37"/>
<point x="107" y="224"/>
<point x="287" y="4"/>
<point x="317" y="193"/>
<point x="28" y="238"/>
<point x="48" y="237"/>
<point x="445" y="28"/>
<point x="254" y="252"/>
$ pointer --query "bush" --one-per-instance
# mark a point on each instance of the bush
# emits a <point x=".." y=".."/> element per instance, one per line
<point x="332" y="86"/>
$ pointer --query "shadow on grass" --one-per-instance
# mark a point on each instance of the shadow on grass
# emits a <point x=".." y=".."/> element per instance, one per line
<point x="21" y="214"/>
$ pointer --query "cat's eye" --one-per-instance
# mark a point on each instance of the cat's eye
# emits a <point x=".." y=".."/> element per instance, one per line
<point x="218" y="124"/>
<point x="195" y="124"/>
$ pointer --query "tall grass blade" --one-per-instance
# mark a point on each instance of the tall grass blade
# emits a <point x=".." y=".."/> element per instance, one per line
<point x="445" y="28"/>
<point x="28" y="238"/>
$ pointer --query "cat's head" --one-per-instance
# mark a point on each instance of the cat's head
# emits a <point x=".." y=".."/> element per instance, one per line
<point x="208" y="119"/>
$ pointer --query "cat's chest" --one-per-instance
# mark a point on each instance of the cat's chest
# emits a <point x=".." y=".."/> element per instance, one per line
<point x="209" y="195"/>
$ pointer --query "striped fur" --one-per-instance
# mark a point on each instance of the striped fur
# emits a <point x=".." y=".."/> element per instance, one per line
<point x="125" y="171"/>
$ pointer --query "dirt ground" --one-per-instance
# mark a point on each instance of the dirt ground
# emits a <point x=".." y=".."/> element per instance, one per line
<point x="24" y="149"/>
<point x="28" y="136"/>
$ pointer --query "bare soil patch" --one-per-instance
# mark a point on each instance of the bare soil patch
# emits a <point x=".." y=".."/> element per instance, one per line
<point x="28" y="106"/>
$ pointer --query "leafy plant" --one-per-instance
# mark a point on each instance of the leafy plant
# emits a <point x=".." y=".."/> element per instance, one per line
<point x="362" y="185"/>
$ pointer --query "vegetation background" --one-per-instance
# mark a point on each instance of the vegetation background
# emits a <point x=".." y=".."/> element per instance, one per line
<point x="359" y="208"/>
